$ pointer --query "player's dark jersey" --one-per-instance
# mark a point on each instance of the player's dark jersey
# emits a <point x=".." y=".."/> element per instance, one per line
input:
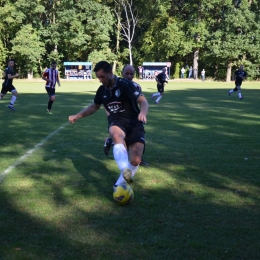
<point x="137" y="86"/>
<point x="161" y="78"/>
<point x="240" y="75"/>
<point x="8" y="82"/>
<point x="121" y="100"/>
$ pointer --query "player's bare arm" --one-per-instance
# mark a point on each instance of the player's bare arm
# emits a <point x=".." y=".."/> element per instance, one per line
<point x="58" y="80"/>
<point x="143" y="109"/>
<point x="91" y="109"/>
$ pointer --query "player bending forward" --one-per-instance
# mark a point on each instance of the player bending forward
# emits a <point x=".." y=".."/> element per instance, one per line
<point x="127" y="109"/>
<point x="128" y="72"/>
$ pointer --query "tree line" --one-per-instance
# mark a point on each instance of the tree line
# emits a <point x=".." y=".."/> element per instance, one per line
<point x="216" y="35"/>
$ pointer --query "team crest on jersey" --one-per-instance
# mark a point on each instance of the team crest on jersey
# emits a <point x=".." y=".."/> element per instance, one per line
<point x="136" y="93"/>
<point x="118" y="93"/>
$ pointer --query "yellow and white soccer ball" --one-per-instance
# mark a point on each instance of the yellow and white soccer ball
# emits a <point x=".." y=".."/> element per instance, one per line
<point x="123" y="194"/>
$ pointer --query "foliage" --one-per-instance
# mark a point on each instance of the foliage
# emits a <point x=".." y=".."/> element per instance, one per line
<point x="27" y="47"/>
<point x="176" y="74"/>
<point x="220" y="32"/>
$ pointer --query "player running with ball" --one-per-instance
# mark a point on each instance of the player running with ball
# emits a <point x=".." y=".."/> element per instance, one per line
<point x="127" y="109"/>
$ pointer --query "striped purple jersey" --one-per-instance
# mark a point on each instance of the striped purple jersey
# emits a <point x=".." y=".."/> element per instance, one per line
<point x="52" y="75"/>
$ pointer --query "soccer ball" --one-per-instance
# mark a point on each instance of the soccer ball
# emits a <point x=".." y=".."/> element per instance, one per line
<point x="123" y="194"/>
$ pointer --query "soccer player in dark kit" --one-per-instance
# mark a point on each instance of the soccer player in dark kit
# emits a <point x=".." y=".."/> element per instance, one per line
<point x="7" y="85"/>
<point x="127" y="109"/>
<point x="239" y="75"/>
<point x="161" y="79"/>
<point x="128" y="72"/>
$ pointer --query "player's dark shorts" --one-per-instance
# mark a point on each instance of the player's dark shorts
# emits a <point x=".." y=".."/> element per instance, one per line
<point x="238" y="83"/>
<point x="133" y="129"/>
<point x="50" y="91"/>
<point x="7" y="88"/>
<point x="160" y="87"/>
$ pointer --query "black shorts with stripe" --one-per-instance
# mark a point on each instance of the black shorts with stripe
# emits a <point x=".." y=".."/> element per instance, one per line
<point x="133" y="129"/>
<point x="6" y="88"/>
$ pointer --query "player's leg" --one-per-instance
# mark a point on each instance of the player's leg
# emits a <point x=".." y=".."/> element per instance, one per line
<point x="120" y="154"/>
<point x="135" y="141"/>
<point x="158" y="93"/>
<point x="13" y="98"/>
<point x="232" y="90"/>
<point x="159" y="98"/>
<point x="107" y="145"/>
<point x="239" y="92"/>
<point x="143" y="162"/>
<point x="3" y="92"/>
<point x="51" y="93"/>
<point x="135" y="156"/>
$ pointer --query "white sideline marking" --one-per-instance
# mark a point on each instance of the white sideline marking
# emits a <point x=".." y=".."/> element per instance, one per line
<point x="27" y="154"/>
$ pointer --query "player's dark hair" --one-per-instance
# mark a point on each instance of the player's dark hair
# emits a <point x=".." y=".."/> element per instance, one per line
<point x="53" y="62"/>
<point x="103" y="65"/>
<point x="10" y="60"/>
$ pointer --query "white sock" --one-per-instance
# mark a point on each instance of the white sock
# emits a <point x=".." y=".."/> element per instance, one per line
<point x="239" y="94"/>
<point x="133" y="168"/>
<point x="13" y="100"/>
<point x="121" y="156"/>
<point x="156" y="94"/>
<point x="230" y="91"/>
<point x="159" y="98"/>
<point x="120" y="180"/>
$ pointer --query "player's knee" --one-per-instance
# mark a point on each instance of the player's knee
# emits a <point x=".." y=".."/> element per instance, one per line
<point x="135" y="161"/>
<point x="52" y="98"/>
<point x="15" y="93"/>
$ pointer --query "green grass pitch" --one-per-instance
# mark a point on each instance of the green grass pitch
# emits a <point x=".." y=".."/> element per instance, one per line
<point x="198" y="199"/>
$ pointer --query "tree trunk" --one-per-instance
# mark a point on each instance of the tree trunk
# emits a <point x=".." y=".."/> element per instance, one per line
<point x="195" y="59"/>
<point x="228" y="78"/>
<point x="30" y="74"/>
<point x="117" y="36"/>
<point x="130" y="53"/>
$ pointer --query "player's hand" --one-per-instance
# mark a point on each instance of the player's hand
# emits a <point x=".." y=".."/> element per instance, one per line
<point x="17" y="75"/>
<point x="142" y="117"/>
<point x="73" y="119"/>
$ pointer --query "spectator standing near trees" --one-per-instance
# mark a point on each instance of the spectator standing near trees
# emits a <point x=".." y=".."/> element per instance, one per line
<point x="203" y="75"/>
<point x="182" y="72"/>
<point x="190" y="72"/>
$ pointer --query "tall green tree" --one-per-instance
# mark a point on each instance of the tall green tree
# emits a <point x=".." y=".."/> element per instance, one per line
<point x="234" y="36"/>
<point x="28" y="47"/>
